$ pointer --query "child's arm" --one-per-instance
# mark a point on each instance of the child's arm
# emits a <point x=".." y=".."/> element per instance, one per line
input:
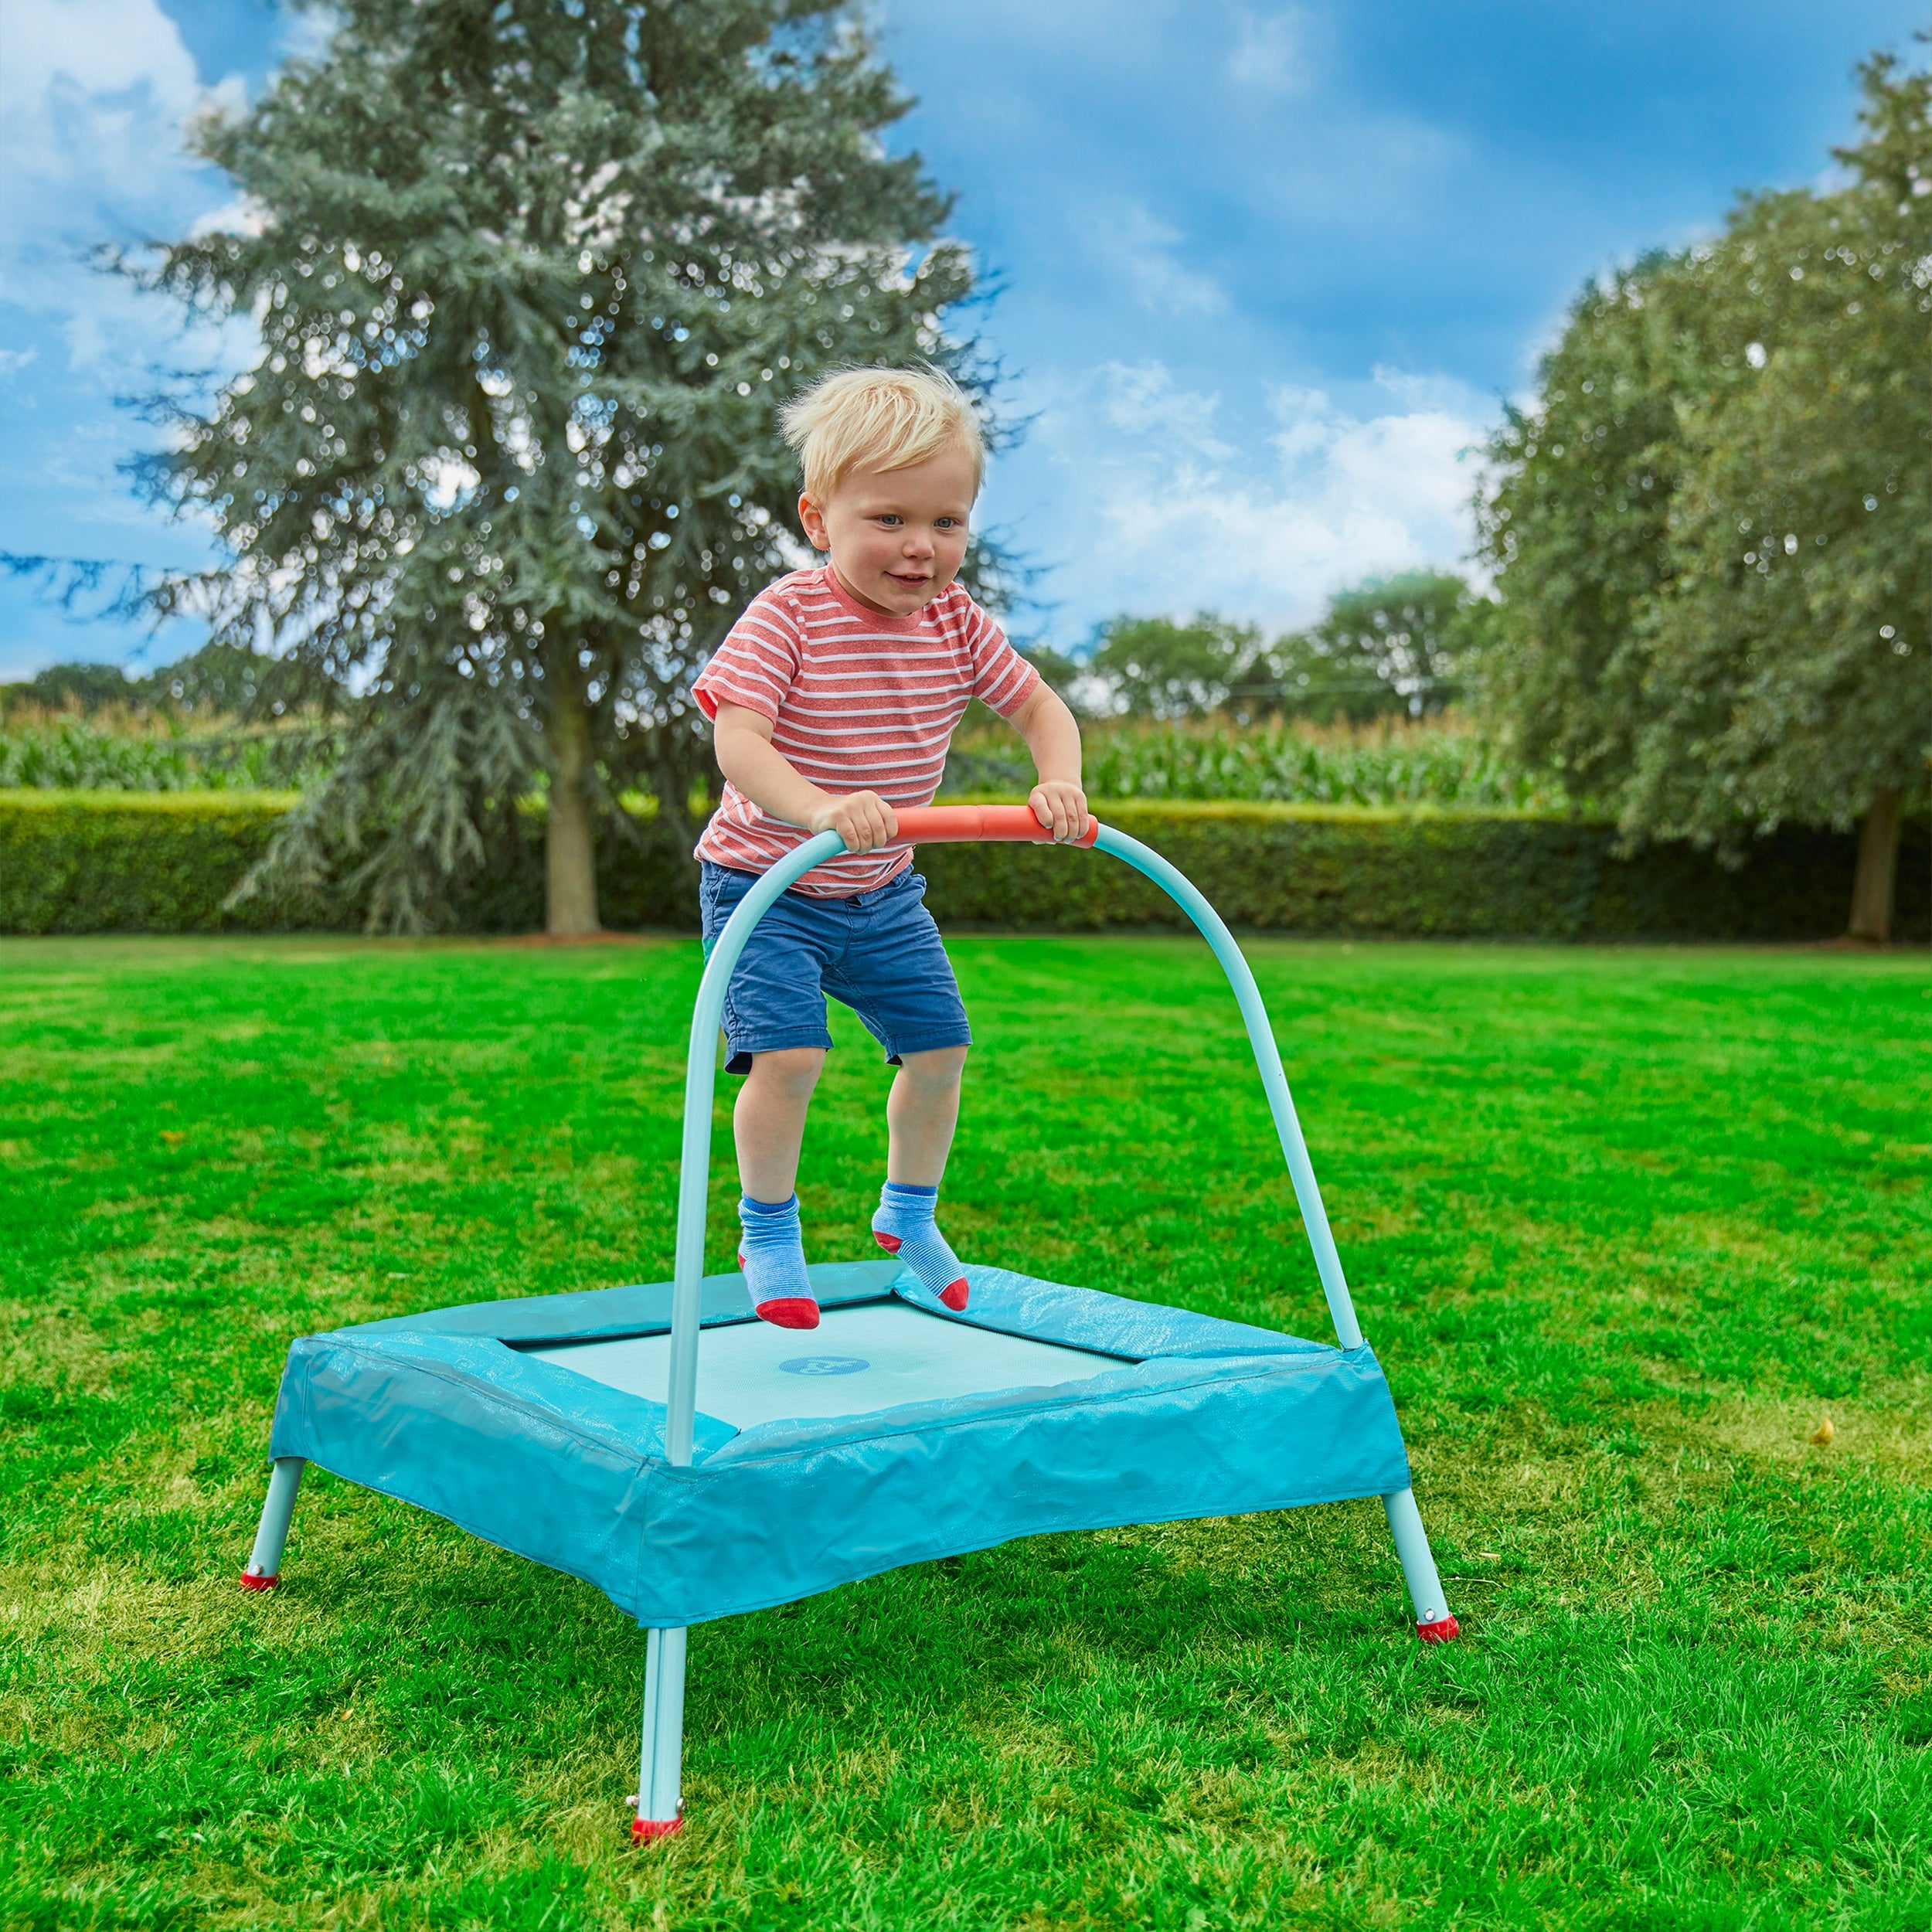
<point x="1053" y="737"/>
<point x="742" y="739"/>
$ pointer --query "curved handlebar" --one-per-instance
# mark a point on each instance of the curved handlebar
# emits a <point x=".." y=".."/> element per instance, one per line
<point x="933" y="823"/>
<point x="954" y="825"/>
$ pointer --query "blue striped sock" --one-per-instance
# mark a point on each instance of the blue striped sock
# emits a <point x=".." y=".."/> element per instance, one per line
<point x="772" y="1254"/>
<point x="904" y="1227"/>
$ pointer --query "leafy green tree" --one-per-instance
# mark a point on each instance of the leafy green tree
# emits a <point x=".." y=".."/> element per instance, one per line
<point x="230" y="678"/>
<point x="1158" y="668"/>
<point x="69" y="687"/>
<point x="530" y="281"/>
<point x="239" y="681"/>
<point x="1713" y="533"/>
<point x="1402" y="646"/>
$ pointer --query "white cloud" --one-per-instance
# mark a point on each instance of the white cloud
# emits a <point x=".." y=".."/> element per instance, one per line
<point x="1141" y="400"/>
<point x="95" y="46"/>
<point x="1141" y="249"/>
<point x="240" y="216"/>
<point x="1158" y="510"/>
<point x="93" y="96"/>
<point x="1270" y="53"/>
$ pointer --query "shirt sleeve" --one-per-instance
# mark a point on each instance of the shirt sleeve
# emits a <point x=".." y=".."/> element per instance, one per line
<point x="757" y="664"/>
<point x="1002" y="679"/>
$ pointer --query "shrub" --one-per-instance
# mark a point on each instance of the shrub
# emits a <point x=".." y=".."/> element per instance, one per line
<point x="139" y="862"/>
<point x="164" y="862"/>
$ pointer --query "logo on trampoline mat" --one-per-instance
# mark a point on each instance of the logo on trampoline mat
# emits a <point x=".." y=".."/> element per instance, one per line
<point x="824" y="1364"/>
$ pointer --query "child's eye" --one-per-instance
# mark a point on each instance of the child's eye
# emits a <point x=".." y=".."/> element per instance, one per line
<point x="947" y="522"/>
<point x="891" y="520"/>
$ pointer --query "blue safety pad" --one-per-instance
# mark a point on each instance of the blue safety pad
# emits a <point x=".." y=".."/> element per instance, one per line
<point x="1200" y="1417"/>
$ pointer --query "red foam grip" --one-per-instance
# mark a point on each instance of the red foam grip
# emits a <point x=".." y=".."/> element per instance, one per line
<point x="1441" y="1632"/>
<point x="649" y="1828"/>
<point x="250" y="1581"/>
<point x="954" y="824"/>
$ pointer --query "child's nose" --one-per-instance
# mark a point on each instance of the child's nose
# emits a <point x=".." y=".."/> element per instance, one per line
<point x="918" y="544"/>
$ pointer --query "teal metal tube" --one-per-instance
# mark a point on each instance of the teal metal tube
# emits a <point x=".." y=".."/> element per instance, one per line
<point x="661" y="1766"/>
<point x="660" y="1772"/>
<point x="694" y="1172"/>
<point x="1275" y="1082"/>
<point x="1413" y="1553"/>
<point x="700" y="1083"/>
<point x="265" y="1562"/>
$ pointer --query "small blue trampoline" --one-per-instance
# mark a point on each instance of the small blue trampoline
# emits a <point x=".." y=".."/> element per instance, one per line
<point x="693" y="1462"/>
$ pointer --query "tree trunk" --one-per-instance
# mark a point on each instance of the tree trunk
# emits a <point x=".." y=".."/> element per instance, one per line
<point x="1873" y="884"/>
<point x="569" y="837"/>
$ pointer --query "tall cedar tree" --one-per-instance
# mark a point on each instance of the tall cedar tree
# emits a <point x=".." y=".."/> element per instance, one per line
<point x="1713" y="531"/>
<point x="531" y="280"/>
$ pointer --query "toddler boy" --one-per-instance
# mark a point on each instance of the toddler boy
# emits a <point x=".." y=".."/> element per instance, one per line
<point x="834" y="698"/>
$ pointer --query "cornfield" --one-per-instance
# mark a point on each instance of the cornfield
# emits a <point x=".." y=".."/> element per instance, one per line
<point x="1443" y="764"/>
<point x="67" y="754"/>
<point x="1435" y="764"/>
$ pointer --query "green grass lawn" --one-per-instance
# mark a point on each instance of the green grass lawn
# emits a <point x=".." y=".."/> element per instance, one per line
<point x="1622" y="1226"/>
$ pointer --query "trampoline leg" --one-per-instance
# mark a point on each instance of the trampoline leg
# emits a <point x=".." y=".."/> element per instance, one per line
<point x="264" y="1565"/>
<point x="1434" y="1623"/>
<point x="659" y="1801"/>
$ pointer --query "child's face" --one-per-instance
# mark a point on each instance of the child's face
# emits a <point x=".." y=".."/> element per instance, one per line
<point x="897" y="537"/>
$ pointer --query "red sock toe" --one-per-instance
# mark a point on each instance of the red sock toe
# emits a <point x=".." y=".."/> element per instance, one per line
<point x="789" y="1312"/>
<point x="953" y="1294"/>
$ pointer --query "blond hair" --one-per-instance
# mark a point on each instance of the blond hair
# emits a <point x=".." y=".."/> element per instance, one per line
<point x="881" y="418"/>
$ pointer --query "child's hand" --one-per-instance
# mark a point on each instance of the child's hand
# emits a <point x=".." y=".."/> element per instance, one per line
<point x="862" y="819"/>
<point x="1060" y="803"/>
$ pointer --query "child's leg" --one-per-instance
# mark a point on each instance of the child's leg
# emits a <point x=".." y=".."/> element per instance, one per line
<point x="769" y="1120"/>
<point x="921" y="1115"/>
<point x="770" y="1124"/>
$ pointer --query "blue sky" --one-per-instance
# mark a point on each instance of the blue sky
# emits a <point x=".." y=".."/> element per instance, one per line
<point x="1265" y="271"/>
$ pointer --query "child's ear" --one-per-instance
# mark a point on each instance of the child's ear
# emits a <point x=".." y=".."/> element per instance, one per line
<point x="811" y="520"/>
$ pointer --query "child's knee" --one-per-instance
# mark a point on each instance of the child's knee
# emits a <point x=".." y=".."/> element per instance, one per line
<point x="794" y="1069"/>
<point x="938" y="1067"/>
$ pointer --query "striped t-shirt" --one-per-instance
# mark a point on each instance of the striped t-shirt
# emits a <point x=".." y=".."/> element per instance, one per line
<point x="858" y="702"/>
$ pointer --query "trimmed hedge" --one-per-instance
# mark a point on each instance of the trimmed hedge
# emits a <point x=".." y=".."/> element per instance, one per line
<point x="149" y="862"/>
<point x="163" y="863"/>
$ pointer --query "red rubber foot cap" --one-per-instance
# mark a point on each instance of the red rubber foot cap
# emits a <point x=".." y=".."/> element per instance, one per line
<point x="790" y="1311"/>
<point x="954" y="1293"/>
<point x="647" y="1827"/>
<point x="890" y="1242"/>
<point x="250" y="1581"/>
<point x="1440" y="1632"/>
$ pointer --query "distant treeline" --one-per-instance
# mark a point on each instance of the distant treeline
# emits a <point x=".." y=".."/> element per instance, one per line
<point x="1405" y="646"/>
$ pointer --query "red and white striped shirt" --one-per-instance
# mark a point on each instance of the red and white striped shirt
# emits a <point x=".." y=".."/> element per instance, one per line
<point x="858" y="702"/>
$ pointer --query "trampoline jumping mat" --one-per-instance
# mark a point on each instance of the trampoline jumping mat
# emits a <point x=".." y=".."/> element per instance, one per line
<point x="881" y="1354"/>
<point x="894" y="1432"/>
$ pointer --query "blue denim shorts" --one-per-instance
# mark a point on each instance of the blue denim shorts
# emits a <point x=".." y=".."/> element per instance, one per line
<point x="877" y="952"/>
